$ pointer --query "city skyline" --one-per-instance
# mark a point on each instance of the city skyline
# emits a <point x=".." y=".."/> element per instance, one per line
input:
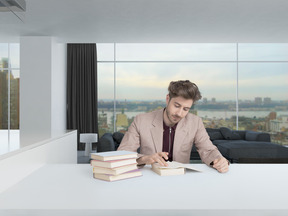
<point x="201" y="100"/>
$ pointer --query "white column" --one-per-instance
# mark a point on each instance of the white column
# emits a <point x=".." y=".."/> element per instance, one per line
<point x="58" y="88"/>
<point x="42" y="88"/>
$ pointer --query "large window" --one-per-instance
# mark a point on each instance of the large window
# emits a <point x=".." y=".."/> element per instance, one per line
<point x="244" y="86"/>
<point x="9" y="97"/>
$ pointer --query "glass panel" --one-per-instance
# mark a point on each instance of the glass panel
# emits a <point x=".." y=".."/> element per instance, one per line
<point x="15" y="55"/>
<point x="14" y="99"/>
<point x="263" y="52"/>
<point x="14" y="139"/>
<point x="142" y="87"/>
<point x="176" y="52"/>
<point x="3" y="110"/>
<point x="263" y="93"/>
<point x="3" y="54"/>
<point x="9" y="108"/>
<point x="4" y="147"/>
<point x="105" y="97"/>
<point x="105" y="52"/>
<point x="4" y="99"/>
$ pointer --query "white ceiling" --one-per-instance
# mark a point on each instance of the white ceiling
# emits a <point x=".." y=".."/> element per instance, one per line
<point x="150" y="21"/>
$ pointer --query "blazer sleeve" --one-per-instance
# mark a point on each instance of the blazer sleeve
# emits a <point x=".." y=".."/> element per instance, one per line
<point x="131" y="139"/>
<point x="207" y="151"/>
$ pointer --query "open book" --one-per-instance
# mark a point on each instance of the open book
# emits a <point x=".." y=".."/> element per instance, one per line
<point x="173" y="168"/>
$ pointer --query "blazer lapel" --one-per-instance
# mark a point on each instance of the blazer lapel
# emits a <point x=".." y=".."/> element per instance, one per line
<point x="180" y="134"/>
<point x="157" y="131"/>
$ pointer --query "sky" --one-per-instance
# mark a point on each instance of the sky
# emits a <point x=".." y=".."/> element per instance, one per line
<point x="144" y="73"/>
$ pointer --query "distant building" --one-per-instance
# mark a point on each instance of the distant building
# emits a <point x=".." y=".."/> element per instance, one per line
<point x="205" y="101"/>
<point x="280" y="124"/>
<point x="14" y="103"/>
<point x="3" y="99"/>
<point x="213" y="100"/>
<point x="272" y="115"/>
<point x="258" y="100"/>
<point x="267" y="101"/>
<point x="102" y="119"/>
<point x="121" y="120"/>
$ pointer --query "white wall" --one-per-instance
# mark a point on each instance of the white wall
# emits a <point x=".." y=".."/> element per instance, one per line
<point x="42" y="89"/>
<point x="58" y="88"/>
<point x="35" y="89"/>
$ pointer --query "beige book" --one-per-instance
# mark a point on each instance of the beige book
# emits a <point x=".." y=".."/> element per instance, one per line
<point x="115" y="171"/>
<point x="173" y="168"/>
<point x="113" y="155"/>
<point x="167" y="172"/>
<point x="107" y="177"/>
<point x="113" y="164"/>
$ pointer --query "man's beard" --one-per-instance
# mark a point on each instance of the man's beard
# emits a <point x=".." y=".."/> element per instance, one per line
<point x="174" y="120"/>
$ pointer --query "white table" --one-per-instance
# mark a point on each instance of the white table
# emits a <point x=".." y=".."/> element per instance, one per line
<point x="63" y="189"/>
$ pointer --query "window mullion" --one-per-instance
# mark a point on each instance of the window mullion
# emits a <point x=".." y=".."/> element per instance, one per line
<point x="9" y="95"/>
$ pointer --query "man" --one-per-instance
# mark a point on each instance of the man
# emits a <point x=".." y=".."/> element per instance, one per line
<point x="169" y="133"/>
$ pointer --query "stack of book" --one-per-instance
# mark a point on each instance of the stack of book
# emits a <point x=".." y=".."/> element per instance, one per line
<point x="115" y="165"/>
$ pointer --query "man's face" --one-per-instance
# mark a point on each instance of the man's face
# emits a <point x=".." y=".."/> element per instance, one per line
<point x="176" y="109"/>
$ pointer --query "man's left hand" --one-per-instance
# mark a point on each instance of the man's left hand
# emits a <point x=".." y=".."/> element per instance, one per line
<point x="221" y="165"/>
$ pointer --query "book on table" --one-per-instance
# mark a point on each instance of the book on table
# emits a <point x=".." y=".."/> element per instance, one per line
<point x="162" y="171"/>
<point x="173" y="168"/>
<point x="114" y="163"/>
<point x="113" y="155"/>
<point x="116" y="170"/>
<point x="126" y="175"/>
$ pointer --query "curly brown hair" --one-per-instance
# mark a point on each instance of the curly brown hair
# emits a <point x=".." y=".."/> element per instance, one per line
<point x="185" y="89"/>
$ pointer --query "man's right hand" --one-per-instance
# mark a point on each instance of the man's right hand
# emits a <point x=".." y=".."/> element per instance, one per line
<point x="159" y="157"/>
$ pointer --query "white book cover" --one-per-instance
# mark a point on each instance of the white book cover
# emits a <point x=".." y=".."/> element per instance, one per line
<point x="113" y="155"/>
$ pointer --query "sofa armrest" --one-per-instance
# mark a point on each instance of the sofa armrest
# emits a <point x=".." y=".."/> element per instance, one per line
<point x="257" y="136"/>
<point x="106" y="143"/>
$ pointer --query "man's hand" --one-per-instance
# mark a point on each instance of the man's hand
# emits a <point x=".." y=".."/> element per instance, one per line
<point x="221" y="165"/>
<point x="159" y="157"/>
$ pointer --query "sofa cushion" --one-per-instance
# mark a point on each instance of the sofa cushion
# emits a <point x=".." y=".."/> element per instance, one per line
<point x="257" y="136"/>
<point x="235" y="136"/>
<point x="117" y="136"/>
<point x="242" y="133"/>
<point x="239" y="149"/>
<point x="215" y="135"/>
<point x="229" y="134"/>
<point x="106" y="143"/>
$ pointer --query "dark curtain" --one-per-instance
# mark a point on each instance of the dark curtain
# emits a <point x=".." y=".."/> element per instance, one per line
<point x="82" y="89"/>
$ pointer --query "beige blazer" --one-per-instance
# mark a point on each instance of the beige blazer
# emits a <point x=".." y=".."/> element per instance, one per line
<point x="146" y="132"/>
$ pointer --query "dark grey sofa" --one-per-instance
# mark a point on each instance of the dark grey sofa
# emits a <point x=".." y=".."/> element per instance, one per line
<point x="236" y="146"/>
<point x="109" y="142"/>
<point x="247" y="146"/>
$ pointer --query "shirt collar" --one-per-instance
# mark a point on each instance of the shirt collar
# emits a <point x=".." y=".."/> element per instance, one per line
<point x="165" y="127"/>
